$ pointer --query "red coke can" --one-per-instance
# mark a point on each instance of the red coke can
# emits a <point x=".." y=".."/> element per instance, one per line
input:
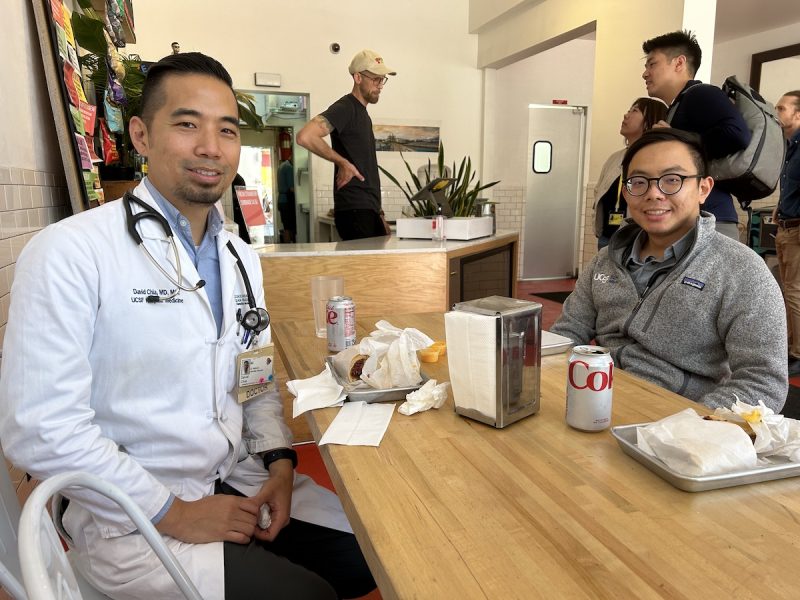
<point x="590" y="377"/>
<point x="341" y="323"/>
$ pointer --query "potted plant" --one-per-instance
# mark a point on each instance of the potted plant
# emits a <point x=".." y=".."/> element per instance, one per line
<point x="461" y="195"/>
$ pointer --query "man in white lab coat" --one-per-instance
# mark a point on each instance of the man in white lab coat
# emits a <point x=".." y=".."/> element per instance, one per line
<point x="115" y="367"/>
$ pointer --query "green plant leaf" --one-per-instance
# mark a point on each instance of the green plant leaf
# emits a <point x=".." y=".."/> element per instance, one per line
<point x="89" y="33"/>
<point x="393" y="179"/>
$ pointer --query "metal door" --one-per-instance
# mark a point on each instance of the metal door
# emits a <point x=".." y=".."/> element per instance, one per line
<point x="554" y="191"/>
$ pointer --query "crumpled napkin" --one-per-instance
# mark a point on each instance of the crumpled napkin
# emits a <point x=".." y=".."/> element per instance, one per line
<point x="393" y="360"/>
<point x="319" y="391"/>
<point x="692" y="446"/>
<point x="775" y="434"/>
<point x="428" y="396"/>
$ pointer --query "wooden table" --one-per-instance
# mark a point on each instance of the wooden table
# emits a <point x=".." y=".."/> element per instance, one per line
<point x="447" y="507"/>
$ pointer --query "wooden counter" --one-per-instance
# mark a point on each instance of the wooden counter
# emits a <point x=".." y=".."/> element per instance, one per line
<point x="387" y="274"/>
<point x="447" y="507"/>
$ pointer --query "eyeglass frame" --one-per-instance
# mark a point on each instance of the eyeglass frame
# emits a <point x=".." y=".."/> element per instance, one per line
<point x="683" y="178"/>
<point x="378" y="79"/>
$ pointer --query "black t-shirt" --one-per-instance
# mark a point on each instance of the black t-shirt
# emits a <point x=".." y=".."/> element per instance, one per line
<point x="352" y="137"/>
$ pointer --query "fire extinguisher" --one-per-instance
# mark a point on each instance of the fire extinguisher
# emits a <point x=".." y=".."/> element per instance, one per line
<point x="285" y="144"/>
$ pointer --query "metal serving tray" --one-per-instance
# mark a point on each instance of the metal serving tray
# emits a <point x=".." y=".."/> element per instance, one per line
<point x="780" y="468"/>
<point x="370" y="394"/>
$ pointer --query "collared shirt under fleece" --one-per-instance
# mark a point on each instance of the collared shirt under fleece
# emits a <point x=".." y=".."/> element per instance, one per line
<point x="789" y="204"/>
<point x="711" y="330"/>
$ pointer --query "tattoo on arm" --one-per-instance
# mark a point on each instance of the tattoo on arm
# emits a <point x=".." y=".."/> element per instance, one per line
<point x="324" y="123"/>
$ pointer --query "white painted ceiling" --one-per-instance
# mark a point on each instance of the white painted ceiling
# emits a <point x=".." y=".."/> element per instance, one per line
<point x="738" y="18"/>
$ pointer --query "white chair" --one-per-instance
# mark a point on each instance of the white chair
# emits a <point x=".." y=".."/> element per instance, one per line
<point x="46" y="571"/>
<point x="10" y="572"/>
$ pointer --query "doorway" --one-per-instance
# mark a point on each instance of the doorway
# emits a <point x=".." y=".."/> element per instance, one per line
<point x="282" y="115"/>
<point x="556" y="146"/>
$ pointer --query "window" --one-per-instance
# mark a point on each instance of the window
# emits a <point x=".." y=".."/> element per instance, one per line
<point x="542" y="157"/>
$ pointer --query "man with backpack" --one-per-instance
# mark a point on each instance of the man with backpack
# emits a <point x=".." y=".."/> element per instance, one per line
<point x="671" y="63"/>
<point x="787" y="215"/>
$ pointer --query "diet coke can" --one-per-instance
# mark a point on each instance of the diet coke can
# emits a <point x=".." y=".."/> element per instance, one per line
<point x="341" y="318"/>
<point x="590" y="376"/>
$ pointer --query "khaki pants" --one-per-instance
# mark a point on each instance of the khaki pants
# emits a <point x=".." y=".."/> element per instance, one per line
<point x="787" y="244"/>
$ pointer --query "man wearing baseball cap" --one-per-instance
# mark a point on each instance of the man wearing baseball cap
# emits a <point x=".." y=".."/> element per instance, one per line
<point x="357" y="186"/>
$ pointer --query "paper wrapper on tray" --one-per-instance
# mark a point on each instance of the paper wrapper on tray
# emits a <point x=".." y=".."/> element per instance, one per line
<point x="391" y="357"/>
<point x="775" y="434"/>
<point x="694" y="447"/>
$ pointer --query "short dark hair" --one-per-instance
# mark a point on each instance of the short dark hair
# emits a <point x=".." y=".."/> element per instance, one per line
<point x="667" y="134"/>
<point x="652" y="110"/>
<point x="676" y="43"/>
<point x="186" y="63"/>
<point x="796" y="95"/>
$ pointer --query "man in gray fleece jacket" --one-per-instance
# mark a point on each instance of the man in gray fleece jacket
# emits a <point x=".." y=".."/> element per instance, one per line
<point x="673" y="300"/>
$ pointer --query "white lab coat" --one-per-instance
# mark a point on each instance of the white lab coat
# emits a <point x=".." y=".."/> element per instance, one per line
<point x="96" y="379"/>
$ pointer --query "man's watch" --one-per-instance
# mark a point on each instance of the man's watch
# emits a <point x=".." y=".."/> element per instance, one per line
<point x="273" y="455"/>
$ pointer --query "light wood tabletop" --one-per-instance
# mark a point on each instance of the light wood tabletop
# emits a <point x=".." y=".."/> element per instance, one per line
<point x="447" y="507"/>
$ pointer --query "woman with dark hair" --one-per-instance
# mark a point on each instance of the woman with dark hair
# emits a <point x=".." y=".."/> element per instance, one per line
<point x="609" y="204"/>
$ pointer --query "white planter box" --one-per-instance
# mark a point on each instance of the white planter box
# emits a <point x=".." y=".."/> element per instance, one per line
<point x="455" y="228"/>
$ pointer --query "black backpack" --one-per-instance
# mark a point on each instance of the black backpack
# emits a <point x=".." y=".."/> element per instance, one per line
<point x="752" y="173"/>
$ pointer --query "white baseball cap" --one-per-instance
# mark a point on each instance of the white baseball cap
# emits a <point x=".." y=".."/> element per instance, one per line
<point x="369" y="60"/>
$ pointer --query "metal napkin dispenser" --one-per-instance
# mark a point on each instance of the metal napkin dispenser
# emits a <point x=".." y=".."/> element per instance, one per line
<point x="494" y="356"/>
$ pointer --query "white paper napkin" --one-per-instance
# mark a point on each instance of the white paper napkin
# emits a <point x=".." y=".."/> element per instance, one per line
<point x="359" y="424"/>
<point x="319" y="391"/>
<point x="472" y="358"/>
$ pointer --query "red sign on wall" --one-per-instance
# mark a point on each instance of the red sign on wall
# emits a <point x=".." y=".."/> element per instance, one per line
<point x="560" y="102"/>
<point x="250" y="204"/>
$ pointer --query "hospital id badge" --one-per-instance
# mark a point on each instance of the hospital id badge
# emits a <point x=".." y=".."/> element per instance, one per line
<point x="254" y="372"/>
<point x="615" y="218"/>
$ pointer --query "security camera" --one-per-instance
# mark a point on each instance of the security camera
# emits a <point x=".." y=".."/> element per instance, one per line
<point x="335" y="47"/>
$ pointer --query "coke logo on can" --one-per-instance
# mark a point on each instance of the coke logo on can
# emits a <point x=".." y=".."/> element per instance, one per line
<point x="597" y="381"/>
<point x="341" y="323"/>
<point x="590" y="379"/>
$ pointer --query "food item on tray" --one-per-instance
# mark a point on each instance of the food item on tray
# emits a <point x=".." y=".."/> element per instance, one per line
<point x="385" y="359"/>
<point x="356" y="366"/>
<point x="743" y="424"/>
<point x="697" y="447"/>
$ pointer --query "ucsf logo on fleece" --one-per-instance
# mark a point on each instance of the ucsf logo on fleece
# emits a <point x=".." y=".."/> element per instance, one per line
<point x="603" y="278"/>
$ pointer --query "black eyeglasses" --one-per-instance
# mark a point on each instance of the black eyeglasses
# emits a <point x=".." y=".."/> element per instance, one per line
<point x="375" y="80"/>
<point x="669" y="184"/>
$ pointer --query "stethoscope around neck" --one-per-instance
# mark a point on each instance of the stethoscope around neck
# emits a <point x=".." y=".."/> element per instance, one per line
<point x="255" y="320"/>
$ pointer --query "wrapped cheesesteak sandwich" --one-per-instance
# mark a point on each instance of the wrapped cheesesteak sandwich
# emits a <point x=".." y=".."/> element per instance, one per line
<point x="385" y="359"/>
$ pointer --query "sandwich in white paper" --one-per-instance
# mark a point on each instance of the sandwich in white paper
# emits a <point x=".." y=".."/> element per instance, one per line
<point x="387" y="358"/>
<point x="695" y="447"/>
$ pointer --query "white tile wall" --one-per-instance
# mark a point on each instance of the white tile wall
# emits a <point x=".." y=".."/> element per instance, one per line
<point x="29" y="201"/>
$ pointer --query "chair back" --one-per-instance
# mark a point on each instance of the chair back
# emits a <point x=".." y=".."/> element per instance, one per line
<point x="10" y="572"/>
<point x="46" y="572"/>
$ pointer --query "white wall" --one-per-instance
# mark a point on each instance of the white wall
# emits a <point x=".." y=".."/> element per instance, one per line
<point x="733" y="57"/>
<point x="33" y="190"/>
<point x="426" y="42"/>
<point x="28" y="137"/>
<point x="536" y="80"/>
